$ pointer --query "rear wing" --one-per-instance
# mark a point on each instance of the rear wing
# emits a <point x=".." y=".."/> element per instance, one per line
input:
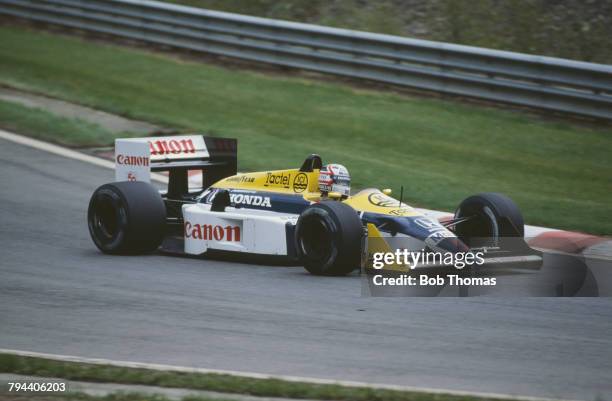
<point x="214" y="158"/>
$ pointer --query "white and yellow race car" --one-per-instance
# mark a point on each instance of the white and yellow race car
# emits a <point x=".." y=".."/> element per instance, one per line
<point x="303" y="214"/>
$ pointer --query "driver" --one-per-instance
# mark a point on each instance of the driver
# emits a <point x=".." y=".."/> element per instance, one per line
<point x="335" y="178"/>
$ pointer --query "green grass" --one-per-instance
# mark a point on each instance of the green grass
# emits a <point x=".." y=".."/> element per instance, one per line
<point x="560" y="174"/>
<point x="41" y="124"/>
<point x="212" y="382"/>
<point x="123" y="396"/>
<point x="77" y="396"/>
<point x="115" y="396"/>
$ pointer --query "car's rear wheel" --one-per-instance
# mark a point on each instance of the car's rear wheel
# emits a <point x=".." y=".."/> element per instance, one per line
<point x="489" y="218"/>
<point x="328" y="238"/>
<point x="126" y="218"/>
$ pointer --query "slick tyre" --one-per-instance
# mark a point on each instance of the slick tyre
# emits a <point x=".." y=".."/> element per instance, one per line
<point x="126" y="218"/>
<point x="492" y="217"/>
<point x="328" y="239"/>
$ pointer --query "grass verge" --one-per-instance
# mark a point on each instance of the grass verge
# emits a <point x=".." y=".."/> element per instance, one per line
<point x="43" y="125"/>
<point x="212" y="382"/>
<point x="440" y="151"/>
<point x="119" y="396"/>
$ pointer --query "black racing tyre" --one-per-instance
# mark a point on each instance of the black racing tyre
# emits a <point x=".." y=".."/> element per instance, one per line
<point x="328" y="238"/>
<point x="493" y="216"/>
<point x="126" y="218"/>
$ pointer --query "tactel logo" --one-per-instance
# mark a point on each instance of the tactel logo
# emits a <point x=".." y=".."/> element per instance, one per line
<point x="278" y="179"/>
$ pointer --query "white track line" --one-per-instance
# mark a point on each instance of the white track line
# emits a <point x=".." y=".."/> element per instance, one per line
<point x="55" y="149"/>
<point x="252" y="375"/>
<point x="65" y="152"/>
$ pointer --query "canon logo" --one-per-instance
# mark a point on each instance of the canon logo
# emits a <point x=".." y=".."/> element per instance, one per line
<point x="212" y="232"/>
<point x="132" y="160"/>
<point x="172" y="146"/>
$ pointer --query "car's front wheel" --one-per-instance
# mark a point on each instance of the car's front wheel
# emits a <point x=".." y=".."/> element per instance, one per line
<point x="126" y="218"/>
<point x="328" y="238"/>
<point x="488" y="218"/>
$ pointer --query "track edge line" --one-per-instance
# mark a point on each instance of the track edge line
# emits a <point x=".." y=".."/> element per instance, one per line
<point x="263" y="376"/>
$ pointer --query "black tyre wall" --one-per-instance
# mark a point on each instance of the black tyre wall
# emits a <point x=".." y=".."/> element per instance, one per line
<point x="126" y="218"/>
<point x="328" y="238"/>
<point x="507" y="216"/>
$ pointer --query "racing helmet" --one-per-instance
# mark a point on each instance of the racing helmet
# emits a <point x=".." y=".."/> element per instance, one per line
<point x="335" y="178"/>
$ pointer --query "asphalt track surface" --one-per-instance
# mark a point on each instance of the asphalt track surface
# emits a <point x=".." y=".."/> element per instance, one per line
<point x="59" y="295"/>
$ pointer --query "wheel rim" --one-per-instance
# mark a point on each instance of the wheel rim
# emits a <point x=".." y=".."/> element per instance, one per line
<point x="315" y="240"/>
<point x="481" y="229"/>
<point x="106" y="218"/>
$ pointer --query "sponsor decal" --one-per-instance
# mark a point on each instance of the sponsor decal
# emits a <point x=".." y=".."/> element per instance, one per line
<point x="241" y="178"/>
<point x="171" y="146"/>
<point x="132" y="160"/>
<point x="214" y="232"/>
<point x="428" y="224"/>
<point x="280" y="179"/>
<point x="434" y="239"/>
<point x="131" y="176"/>
<point x="255" y="200"/>
<point x="300" y="182"/>
<point x="382" y="200"/>
<point x="400" y="212"/>
<point x="438" y="232"/>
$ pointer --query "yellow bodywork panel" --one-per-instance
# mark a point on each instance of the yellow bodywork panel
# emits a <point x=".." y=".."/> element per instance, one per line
<point x="291" y="181"/>
<point x="377" y="244"/>
<point x="374" y="201"/>
<point x="306" y="184"/>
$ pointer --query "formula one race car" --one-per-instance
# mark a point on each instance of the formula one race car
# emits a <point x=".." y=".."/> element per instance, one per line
<point x="306" y="214"/>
